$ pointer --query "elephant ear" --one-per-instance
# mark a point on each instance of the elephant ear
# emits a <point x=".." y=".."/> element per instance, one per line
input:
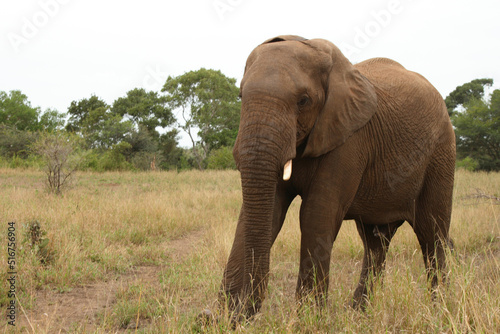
<point x="350" y="103"/>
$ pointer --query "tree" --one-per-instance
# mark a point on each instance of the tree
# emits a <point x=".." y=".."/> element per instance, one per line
<point x="51" y="120"/>
<point x="146" y="109"/>
<point x="16" y="111"/>
<point x="143" y="148"/>
<point x="102" y="129"/>
<point x="477" y="130"/>
<point x="466" y="92"/>
<point x="20" y="121"/>
<point x="208" y="103"/>
<point x="172" y="154"/>
<point x="92" y="119"/>
<point x="79" y="111"/>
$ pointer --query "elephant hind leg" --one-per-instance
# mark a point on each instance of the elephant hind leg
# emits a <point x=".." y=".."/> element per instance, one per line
<point x="376" y="240"/>
<point x="432" y="224"/>
<point x="433" y="239"/>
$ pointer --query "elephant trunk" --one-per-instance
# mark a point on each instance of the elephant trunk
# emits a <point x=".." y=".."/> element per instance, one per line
<point x="258" y="201"/>
<point x="261" y="152"/>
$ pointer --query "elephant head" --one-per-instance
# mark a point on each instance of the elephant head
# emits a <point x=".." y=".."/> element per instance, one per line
<point x="308" y="90"/>
<point x="300" y="98"/>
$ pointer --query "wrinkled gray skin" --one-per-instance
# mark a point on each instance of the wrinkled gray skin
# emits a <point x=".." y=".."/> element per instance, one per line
<point x="371" y="142"/>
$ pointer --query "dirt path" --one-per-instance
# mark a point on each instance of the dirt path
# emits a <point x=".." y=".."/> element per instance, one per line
<point x="181" y="248"/>
<point x="83" y="308"/>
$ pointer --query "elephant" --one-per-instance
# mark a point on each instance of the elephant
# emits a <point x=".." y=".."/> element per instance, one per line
<point x="370" y="142"/>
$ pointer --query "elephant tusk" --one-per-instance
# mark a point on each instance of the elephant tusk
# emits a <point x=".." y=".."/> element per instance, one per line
<point x="287" y="172"/>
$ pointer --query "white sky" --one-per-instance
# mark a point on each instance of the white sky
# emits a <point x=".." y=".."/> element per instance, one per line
<point x="57" y="51"/>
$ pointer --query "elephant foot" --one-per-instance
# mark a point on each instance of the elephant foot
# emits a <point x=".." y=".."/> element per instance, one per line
<point x="360" y="299"/>
<point x="359" y="304"/>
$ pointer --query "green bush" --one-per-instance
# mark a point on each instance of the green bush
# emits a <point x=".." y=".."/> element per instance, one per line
<point x="14" y="142"/>
<point x="114" y="159"/>
<point x="32" y="161"/>
<point x="468" y="164"/>
<point x="89" y="161"/>
<point x="221" y="158"/>
<point x="142" y="160"/>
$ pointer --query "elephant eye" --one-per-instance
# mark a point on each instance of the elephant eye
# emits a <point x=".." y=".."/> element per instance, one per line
<point x="304" y="100"/>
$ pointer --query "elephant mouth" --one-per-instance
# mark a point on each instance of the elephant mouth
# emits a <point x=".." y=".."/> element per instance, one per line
<point x="287" y="170"/>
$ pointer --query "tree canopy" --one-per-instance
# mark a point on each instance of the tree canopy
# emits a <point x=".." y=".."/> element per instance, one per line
<point x="79" y="110"/>
<point x="16" y="112"/>
<point x="208" y="105"/>
<point x="477" y="130"/>
<point x="463" y="94"/>
<point x="102" y="129"/>
<point x="147" y="109"/>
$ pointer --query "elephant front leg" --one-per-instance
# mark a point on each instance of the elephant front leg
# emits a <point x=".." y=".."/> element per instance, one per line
<point x="314" y="268"/>
<point x="319" y="227"/>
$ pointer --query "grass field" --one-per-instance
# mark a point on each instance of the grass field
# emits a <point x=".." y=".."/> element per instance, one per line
<point x="144" y="252"/>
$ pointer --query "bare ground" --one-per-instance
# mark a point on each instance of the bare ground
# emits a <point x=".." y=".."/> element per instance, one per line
<point x="83" y="308"/>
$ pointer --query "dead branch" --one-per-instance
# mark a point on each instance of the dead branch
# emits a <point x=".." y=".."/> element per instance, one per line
<point x="480" y="194"/>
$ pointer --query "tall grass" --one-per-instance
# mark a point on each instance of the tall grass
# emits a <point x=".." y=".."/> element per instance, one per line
<point x="111" y="223"/>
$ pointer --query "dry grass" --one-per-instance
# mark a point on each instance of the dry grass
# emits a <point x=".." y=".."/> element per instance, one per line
<point x="173" y="231"/>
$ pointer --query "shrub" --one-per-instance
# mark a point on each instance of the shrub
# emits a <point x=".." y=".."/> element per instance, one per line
<point x="39" y="244"/>
<point x="57" y="150"/>
<point x="114" y="159"/>
<point x="14" y="142"/>
<point x="221" y="158"/>
<point x="468" y="164"/>
<point x="89" y="161"/>
<point x="143" y="160"/>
